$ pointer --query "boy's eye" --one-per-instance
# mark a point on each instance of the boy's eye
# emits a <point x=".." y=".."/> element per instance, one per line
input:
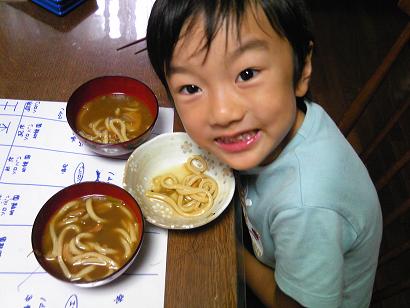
<point x="189" y="89"/>
<point x="247" y="74"/>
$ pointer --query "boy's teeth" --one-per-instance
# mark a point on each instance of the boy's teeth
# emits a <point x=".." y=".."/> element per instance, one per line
<point x="237" y="138"/>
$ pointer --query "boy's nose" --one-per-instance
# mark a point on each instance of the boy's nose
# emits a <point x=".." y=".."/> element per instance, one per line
<point x="225" y="108"/>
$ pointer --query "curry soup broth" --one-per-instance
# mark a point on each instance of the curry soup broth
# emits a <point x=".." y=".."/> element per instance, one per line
<point x="113" y="118"/>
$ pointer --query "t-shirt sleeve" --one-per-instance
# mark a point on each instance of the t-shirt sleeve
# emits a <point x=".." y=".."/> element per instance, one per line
<point x="309" y="247"/>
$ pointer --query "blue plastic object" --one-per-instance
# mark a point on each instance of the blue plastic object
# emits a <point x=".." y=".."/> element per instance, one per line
<point x="59" y="7"/>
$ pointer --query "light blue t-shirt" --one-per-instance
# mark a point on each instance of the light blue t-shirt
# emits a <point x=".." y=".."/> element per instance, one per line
<point x="314" y="216"/>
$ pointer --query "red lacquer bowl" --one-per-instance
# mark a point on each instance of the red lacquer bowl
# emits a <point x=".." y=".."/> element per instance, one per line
<point x="62" y="197"/>
<point x="107" y="85"/>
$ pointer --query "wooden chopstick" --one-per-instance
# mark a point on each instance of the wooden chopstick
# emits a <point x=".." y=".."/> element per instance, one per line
<point x="132" y="43"/>
<point x="141" y="50"/>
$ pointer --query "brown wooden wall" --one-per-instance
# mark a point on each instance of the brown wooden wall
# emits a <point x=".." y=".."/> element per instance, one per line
<point x="352" y="38"/>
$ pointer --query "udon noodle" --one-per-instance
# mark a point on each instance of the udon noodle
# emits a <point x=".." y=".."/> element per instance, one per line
<point x="91" y="237"/>
<point x="113" y="118"/>
<point x="192" y="195"/>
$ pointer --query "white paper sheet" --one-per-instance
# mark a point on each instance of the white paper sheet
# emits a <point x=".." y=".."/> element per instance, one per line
<point x="39" y="155"/>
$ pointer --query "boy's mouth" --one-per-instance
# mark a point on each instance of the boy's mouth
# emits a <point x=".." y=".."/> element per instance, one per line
<point x="243" y="137"/>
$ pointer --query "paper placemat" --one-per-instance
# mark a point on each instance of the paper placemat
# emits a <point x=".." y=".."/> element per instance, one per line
<point x="39" y="155"/>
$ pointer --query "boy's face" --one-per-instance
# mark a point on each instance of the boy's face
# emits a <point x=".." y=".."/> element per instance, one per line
<point x="239" y="101"/>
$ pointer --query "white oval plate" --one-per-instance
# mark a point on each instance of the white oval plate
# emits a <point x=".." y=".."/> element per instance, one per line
<point x="161" y="154"/>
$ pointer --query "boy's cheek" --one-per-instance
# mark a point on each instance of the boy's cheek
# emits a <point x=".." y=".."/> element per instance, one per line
<point x="187" y="123"/>
<point x="188" y="116"/>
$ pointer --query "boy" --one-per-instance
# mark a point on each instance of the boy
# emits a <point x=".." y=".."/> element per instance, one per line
<point x="238" y="72"/>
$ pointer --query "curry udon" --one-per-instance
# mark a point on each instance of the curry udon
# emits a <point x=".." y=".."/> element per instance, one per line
<point x="186" y="189"/>
<point x="90" y="237"/>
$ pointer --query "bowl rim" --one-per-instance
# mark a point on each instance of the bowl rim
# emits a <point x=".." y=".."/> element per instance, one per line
<point x="40" y="224"/>
<point x="95" y="79"/>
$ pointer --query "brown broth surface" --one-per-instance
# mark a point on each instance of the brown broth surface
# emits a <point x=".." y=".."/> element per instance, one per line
<point x="113" y="118"/>
<point x="114" y="215"/>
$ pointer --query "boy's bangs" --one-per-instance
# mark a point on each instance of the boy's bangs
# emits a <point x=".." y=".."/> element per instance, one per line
<point x="216" y="14"/>
<point x="171" y="20"/>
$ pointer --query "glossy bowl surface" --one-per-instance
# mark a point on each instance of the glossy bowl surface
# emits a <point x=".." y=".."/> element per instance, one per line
<point x="161" y="154"/>
<point x="73" y="192"/>
<point x="107" y="85"/>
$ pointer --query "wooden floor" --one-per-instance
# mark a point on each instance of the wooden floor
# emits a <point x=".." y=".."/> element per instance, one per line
<point x="352" y="38"/>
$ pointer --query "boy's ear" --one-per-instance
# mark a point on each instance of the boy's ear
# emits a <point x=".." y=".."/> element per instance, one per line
<point x="303" y="84"/>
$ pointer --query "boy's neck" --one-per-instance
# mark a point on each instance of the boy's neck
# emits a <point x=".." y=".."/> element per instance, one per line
<point x="300" y="116"/>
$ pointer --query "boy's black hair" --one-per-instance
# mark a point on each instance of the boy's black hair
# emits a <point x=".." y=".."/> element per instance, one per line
<point x="289" y="18"/>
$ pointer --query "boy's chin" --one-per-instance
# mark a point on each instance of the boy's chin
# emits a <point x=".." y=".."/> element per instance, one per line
<point x="246" y="162"/>
<point x="241" y="164"/>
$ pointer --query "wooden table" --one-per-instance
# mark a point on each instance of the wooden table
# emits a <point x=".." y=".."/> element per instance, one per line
<point x="46" y="57"/>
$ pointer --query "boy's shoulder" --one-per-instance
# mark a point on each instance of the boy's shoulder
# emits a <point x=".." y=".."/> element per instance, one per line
<point x="331" y="174"/>
<point x="318" y="168"/>
<point x="319" y="146"/>
<point x="322" y="146"/>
